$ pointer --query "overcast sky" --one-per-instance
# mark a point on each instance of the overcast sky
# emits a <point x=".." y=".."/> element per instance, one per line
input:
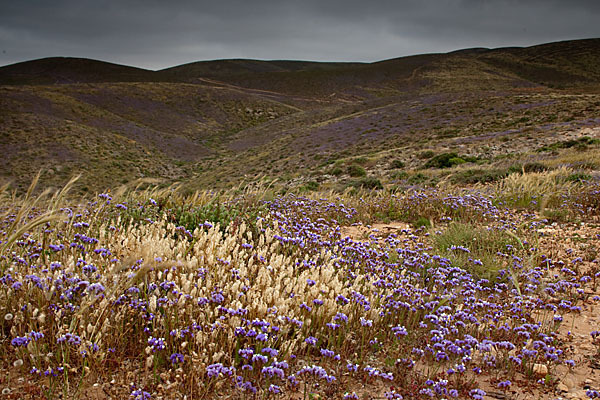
<point x="158" y="34"/>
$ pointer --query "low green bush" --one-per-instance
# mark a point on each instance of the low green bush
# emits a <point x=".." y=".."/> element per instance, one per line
<point x="424" y="155"/>
<point x="448" y="160"/>
<point x="310" y="186"/>
<point x="356" y="171"/>
<point x="397" y="164"/>
<point x="473" y="176"/>
<point x="580" y="144"/>
<point x="337" y="171"/>
<point x="578" y="177"/>
<point x="400" y="175"/>
<point x="368" y="183"/>
<point x="417" y="179"/>
<point x="527" y="167"/>
<point x="422" y="221"/>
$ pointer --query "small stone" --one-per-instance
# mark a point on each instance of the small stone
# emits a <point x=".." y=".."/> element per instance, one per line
<point x="562" y="387"/>
<point x="568" y="381"/>
<point x="540" y="370"/>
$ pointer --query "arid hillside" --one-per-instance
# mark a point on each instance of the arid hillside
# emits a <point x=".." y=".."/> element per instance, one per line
<point x="216" y="123"/>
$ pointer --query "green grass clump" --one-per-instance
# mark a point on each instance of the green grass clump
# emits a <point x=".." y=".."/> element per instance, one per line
<point x="368" y="183"/>
<point x="215" y="212"/>
<point x="356" y="171"/>
<point x="578" y="177"/>
<point x="580" y="144"/>
<point x="422" y="221"/>
<point x="400" y="175"/>
<point x="474" y="248"/>
<point x="448" y="160"/>
<point x="473" y="176"/>
<point x="310" y="186"/>
<point x="397" y="164"/>
<point x="424" y="155"/>
<point x="337" y="171"/>
<point x="417" y="179"/>
<point x="360" y="160"/>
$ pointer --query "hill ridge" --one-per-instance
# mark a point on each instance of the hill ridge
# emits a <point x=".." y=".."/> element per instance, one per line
<point x="293" y="120"/>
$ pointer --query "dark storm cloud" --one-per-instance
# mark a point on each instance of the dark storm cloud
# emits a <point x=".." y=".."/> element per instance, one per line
<point x="157" y="34"/>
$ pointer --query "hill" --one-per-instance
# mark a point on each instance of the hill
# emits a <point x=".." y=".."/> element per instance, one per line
<point x="214" y="123"/>
<point x="65" y="70"/>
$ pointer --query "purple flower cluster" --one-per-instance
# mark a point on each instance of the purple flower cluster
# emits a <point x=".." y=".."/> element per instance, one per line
<point x="344" y="303"/>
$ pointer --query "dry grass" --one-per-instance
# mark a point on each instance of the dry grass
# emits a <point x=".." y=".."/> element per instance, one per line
<point x="576" y="159"/>
<point x="535" y="189"/>
<point x="133" y="289"/>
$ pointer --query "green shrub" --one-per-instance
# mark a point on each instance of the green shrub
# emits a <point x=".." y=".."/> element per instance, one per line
<point x="360" y="160"/>
<point x="578" y="177"/>
<point x="368" y="183"/>
<point x="580" y="144"/>
<point x="456" y="161"/>
<point x="400" y="175"/>
<point x="515" y="169"/>
<point x="356" y="171"/>
<point x="472" y="176"/>
<point x="214" y="212"/>
<point x="424" y="155"/>
<point x="527" y="168"/>
<point x="422" y="221"/>
<point x="446" y="160"/>
<point x="327" y="162"/>
<point x="337" y="171"/>
<point x="417" y="179"/>
<point x="534" y="167"/>
<point x="310" y="186"/>
<point x="397" y="164"/>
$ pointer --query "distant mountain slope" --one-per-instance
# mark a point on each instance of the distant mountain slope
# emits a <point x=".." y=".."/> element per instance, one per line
<point x="567" y="63"/>
<point x="115" y="132"/>
<point x="553" y="64"/>
<point x="212" y="123"/>
<point x="235" y="67"/>
<point x="349" y="80"/>
<point x="61" y="70"/>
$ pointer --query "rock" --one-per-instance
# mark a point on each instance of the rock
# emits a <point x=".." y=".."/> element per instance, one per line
<point x="95" y="393"/>
<point x="581" y="395"/>
<point x="540" y="370"/>
<point x="568" y="381"/>
<point x="561" y="387"/>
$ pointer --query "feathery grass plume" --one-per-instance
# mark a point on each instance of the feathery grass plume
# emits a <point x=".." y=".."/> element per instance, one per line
<point x="535" y="188"/>
<point x="61" y="195"/>
<point x="25" y="210"/>
<point x="576" y="159"/>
